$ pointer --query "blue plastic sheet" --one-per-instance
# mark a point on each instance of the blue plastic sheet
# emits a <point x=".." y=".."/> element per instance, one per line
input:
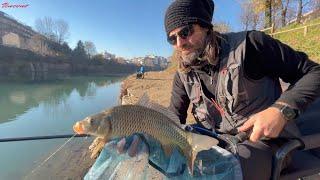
<point x="216" y="163"/>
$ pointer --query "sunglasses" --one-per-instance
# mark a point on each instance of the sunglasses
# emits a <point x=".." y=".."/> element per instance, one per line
<point x="184" y="33"/>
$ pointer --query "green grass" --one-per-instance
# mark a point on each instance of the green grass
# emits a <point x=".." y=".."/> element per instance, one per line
<point x="310" y="44"/>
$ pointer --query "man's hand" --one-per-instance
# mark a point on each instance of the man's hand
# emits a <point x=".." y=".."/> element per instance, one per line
<point x="96" y="147"/>
<point x="133" y="147"/>
<point x="267" y="123"/>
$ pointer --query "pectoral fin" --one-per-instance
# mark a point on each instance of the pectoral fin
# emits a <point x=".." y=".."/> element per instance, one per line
<point x="168" y="149"/>
<point x="199" y="143"/>
<point x="96" y="147"/>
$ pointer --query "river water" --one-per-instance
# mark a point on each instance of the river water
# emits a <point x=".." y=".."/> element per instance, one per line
<point x="46" y="107"/>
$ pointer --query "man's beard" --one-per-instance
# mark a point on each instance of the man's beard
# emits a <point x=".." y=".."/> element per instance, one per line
<point x="192" y="58"/>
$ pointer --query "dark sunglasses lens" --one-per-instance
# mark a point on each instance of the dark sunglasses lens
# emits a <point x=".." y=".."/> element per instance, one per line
<point x="172" y="39"/>
<point x="185" y="32"/>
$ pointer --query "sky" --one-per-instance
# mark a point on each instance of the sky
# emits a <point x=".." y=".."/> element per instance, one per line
<point x="126" y="28"/>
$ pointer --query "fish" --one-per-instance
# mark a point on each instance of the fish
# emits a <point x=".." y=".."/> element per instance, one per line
<point x="149" y="118"/>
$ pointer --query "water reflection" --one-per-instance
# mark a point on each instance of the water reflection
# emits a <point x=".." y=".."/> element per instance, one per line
<point x="46" y="107"/>
<point x="16" y="96"/>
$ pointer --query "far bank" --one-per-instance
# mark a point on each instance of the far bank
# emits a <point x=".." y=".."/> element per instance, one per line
<point x="21" y="62"/>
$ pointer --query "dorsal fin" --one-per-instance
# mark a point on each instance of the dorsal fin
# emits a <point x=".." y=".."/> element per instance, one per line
<point x="145" y="101"/>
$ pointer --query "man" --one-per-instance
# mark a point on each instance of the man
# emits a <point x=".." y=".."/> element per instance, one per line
<point x="142" y="70"/>
<point x="232" y="81"/>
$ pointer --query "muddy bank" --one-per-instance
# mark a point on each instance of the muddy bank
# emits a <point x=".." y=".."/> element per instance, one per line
<point x="157" y="85"/>
<point x="71" y="162"/>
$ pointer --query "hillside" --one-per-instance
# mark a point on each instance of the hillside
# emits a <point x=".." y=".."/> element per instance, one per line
<point x="309" y="44"/>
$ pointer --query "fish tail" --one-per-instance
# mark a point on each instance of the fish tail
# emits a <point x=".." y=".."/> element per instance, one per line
<point x="198" y="143"/>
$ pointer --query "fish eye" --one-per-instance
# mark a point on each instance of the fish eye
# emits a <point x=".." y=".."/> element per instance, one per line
<point x="90" y="121"/>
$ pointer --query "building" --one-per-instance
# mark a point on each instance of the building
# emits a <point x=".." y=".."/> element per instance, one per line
<point x="109" y="56"/>
<point x="152" y="61"/>
<point x="15" y="34"/>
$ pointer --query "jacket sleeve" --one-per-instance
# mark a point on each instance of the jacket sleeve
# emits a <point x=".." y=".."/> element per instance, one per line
<point x="270" y="57"/>
<point x="179" y="99"/>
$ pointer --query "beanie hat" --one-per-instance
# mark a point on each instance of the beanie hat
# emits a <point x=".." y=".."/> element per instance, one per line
<point x="185" y="12"/>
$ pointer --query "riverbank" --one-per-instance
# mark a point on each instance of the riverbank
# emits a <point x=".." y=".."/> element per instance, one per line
<point x="157" y="85"/>
<point x="73" y="161"/>
<point x="21" y="62"/>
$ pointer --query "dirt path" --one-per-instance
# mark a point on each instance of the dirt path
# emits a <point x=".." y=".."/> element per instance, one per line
<point x="157" y="85"/>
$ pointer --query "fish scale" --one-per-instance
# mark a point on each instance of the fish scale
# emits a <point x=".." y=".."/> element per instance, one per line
<point x="145" y="118"/>
<point x="136" y="119"/>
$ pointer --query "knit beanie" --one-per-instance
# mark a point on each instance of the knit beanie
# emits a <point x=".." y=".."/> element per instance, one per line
<point x="185" y="12"/>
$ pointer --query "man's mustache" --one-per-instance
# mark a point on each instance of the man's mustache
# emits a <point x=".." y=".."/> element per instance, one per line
<point x="186" y="47"/>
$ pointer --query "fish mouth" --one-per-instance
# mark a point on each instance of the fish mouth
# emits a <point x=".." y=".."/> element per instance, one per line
<point x="79" y="128"/>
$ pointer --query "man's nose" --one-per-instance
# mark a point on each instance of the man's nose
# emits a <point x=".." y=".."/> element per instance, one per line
<point x="180" y="42"/>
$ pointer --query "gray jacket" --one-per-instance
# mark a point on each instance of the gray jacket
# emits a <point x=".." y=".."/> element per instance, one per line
<point x="237" y="97"/>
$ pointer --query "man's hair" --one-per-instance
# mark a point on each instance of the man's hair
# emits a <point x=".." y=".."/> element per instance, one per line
<point x="185" y="12"/>
<point x="209" y="54"/>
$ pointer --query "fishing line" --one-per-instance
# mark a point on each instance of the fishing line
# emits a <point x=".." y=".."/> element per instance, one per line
<point x="43" y="162"/>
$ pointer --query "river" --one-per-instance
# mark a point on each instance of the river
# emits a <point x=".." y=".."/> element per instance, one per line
<point x="46" y="107"/>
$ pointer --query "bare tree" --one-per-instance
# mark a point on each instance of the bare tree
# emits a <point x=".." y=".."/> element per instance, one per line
<point x="268" y="13"/>
<point x="265" y="7"/>
<point x="317" y="5"/>
<point x="274" y="11"/>
<point x="90" y="48"/>
<point x="221" y="27"/>
<point x="45" y="26"/>
<point x="291" y="12"/>
<point x="299" y="13"/>
<point x="61" y="30"/>
<point x="245" y="15"/>
<point x="249" y="17"/>
<point x="284" y="9"/>
<point x="55" y="30"/>
<point x="302" y="5"/>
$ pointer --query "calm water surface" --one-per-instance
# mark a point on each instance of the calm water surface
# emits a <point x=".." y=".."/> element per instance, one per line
<point x="51" y="107"/>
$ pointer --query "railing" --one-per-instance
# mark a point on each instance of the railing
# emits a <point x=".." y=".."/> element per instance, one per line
<point x="269" y="28"/>
<point x="289" y="30"/>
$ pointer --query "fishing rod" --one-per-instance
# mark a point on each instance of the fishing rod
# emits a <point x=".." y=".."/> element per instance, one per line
<point x="30" y="138"/>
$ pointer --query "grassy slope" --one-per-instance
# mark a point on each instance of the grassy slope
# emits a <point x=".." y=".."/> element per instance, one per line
<point x="309" y="44"/>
